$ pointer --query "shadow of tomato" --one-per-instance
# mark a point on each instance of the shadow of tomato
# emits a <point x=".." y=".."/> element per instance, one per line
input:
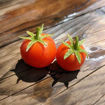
<point x="60" y="75"/>
<point x="27" y="73"/>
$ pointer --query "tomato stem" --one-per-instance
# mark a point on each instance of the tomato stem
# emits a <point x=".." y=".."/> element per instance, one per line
<point x="74" y="47"/>
<point x="37" y="33"/>
<point x="76" y="43"/>
<point x="35" y="37"/>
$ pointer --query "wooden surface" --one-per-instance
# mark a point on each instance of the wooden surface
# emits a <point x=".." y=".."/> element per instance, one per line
<point x="20" y="15"/>
<point x="21" y="84"/>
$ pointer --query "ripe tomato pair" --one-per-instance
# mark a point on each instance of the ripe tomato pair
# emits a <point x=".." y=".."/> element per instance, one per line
<point x="39" y="50"/>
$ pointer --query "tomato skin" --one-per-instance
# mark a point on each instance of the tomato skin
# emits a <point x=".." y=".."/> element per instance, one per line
<point x="71" y="63"/>
<point x="39" y="56"/>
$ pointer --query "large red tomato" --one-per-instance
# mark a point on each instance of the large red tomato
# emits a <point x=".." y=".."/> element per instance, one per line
<point x="38" y="51"/>
<point x="71" y="55"/>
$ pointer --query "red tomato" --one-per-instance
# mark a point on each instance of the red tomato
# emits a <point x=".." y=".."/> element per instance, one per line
<point x="38" y="55"/>
<point x="71" y="62"/>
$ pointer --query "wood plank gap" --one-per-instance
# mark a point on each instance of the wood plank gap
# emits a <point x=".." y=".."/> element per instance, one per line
<point x="81" y="79"/>
<point x="24" y="89"/>
<point x="49" y="77"/>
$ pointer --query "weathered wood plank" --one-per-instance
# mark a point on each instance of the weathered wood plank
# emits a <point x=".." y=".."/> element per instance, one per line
<point x="100" y="101"/>
<point x="74" y="27"/>
<point x="8" y="5"/>
<point x="90" y="67"/>
<point x="33" y="14"/>
<point x="43" y="93"/>
<point x="4" y="52"/>
<point x="87" y="92"/>
<point x="94" y="48"/>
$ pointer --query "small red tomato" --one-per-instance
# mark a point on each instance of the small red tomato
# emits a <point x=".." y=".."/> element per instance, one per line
<point x="38" y="50"/>
<point x="71" y="54"/>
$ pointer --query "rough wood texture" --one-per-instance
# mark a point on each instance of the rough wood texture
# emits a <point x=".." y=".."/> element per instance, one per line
<point x="87" y="89"/>
<point x="20" y="16"/>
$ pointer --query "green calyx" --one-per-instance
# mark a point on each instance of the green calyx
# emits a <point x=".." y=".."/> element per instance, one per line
<point x="74" y="48"/>
<point x="35" y="37"/>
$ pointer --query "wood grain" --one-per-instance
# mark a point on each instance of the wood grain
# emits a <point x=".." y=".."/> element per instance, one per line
<point x="100" y="101"/>
<point x="16" y="19"/>
<point x="87" y="89"/>
<point x="87" y="92"/>
<point x="74" y="27"/>
<point x="48" y="95"/>
<point x="38" y="96"/>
